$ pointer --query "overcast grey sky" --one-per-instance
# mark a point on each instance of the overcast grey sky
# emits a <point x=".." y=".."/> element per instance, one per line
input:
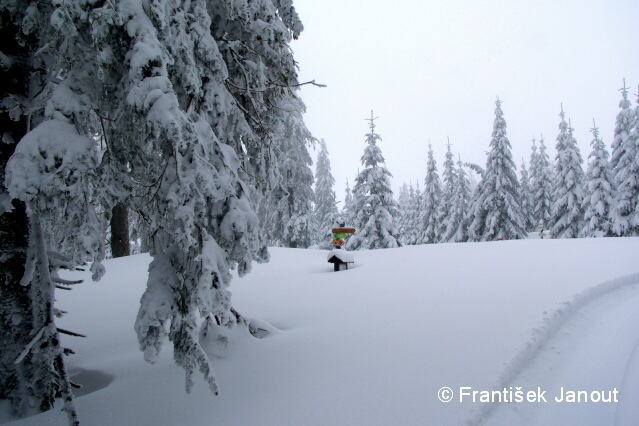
<point x="432" y="69"/>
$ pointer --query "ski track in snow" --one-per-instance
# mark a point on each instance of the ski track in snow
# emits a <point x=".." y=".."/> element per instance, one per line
<point x="569" y="342"/>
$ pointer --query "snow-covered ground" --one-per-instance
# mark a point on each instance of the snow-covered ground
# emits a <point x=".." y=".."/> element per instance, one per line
<point x="373" y="345"/>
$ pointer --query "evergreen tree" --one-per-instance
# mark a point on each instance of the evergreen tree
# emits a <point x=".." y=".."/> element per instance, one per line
<point x="532" y="172"/>
<point x="193" y="100"/>
<point x="498" y="202"/>
<point x="375" y="208"/>
<point x="325" y="204"/>
<point x="299" y="226"/>
<point x="568" y="192"/>
<point x="472" y="180"/>
<point x="253" y="39"/>
<point x="599" y="200"/>
<point x="429" y="226"/>
<point x="347" y="211"/>
<point x="403" y="202"/>
<point x="624" y="124"/>
<point x="526" y="199"/>
<point x="140" y="234"/>
<point x="14" y="228"/>
<point x="32" y="368"/>
<point x="270" y="213"/>
<point x="412" y="215"/>
<point x="625" y="163"/>
<point x="476" y="212"/>
<point x="541" y="185"/>
<point x="449" y="177"/>
<point x="457" y="219"/>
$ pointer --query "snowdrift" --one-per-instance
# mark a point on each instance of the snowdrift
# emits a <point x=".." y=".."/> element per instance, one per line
<point x="368" y="346"/>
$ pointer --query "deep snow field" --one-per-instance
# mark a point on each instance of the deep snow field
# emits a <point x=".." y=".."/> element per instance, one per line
<point x="373" y="345"/>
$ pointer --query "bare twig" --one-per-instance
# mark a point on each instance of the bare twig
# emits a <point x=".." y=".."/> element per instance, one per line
<point x="69" y="333"/>
<point x="62" y="281"/>
<point x="29" y="345"/>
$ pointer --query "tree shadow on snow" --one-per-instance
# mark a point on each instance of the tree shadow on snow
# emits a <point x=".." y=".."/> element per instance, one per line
<point x="329" y="268"/>
<point x="90" y="380"/>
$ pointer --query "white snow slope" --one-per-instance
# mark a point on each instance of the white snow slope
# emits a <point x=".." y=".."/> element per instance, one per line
<point x="374" y="344"/>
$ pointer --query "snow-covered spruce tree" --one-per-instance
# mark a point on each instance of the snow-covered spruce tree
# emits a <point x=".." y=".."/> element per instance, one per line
<point x="568" y="192"/>
<point x="526" y="200"/>
<point x="258" y="92"/>
<point x="429" y="225"/>
<point x="457" y="219"/>
<point x="375" y="208"/>
<point x="16" y="306"/>
<point x="403" y="202"/>
<point x="625" y="164"/>
<point x="348" y="215"/>
<point x="201" y="220"/>
<point x="634" y="171"/>
<point x="476" y="213"/>
<point x="448" y="177"/>
<point x="51" y="174"/>
<point x="297" y="178"/>
<point x="285" y="211"/>
<point x="472" y="180"/>
<point x="534" y="159"/>
<point x="534" y="155"/>
<point x="269" y="217"/>
<point x="600" y="191"/>
<point x="253" y="39"/>
<point x="194" y="94"/>
<point x="182" y="110"/>
<point x="541" y="185"/>
<point x="624" y="124"/>
<point x="499" y="200"/>
<point x="262" y="79"/>
<point x="140" y="234"/>
<point x="326" y="212"/>
<point x="411" y="218"/>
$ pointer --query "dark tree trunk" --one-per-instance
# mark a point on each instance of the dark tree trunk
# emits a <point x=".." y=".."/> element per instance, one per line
<point x="15" y="302"/>
<point x="291" y="208"/>
<point x="14" y="335"/>
<point x="120" y="231"/>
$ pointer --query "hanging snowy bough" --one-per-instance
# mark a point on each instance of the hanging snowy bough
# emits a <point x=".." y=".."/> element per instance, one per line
<point x="49" y="160"/>
<point x="53" y="172"/>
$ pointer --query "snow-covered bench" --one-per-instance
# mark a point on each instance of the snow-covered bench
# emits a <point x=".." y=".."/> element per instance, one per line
<point x="340" y="259"/>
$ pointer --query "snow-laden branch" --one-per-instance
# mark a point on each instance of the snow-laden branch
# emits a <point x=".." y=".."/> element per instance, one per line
<point x="476" y="168"/>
